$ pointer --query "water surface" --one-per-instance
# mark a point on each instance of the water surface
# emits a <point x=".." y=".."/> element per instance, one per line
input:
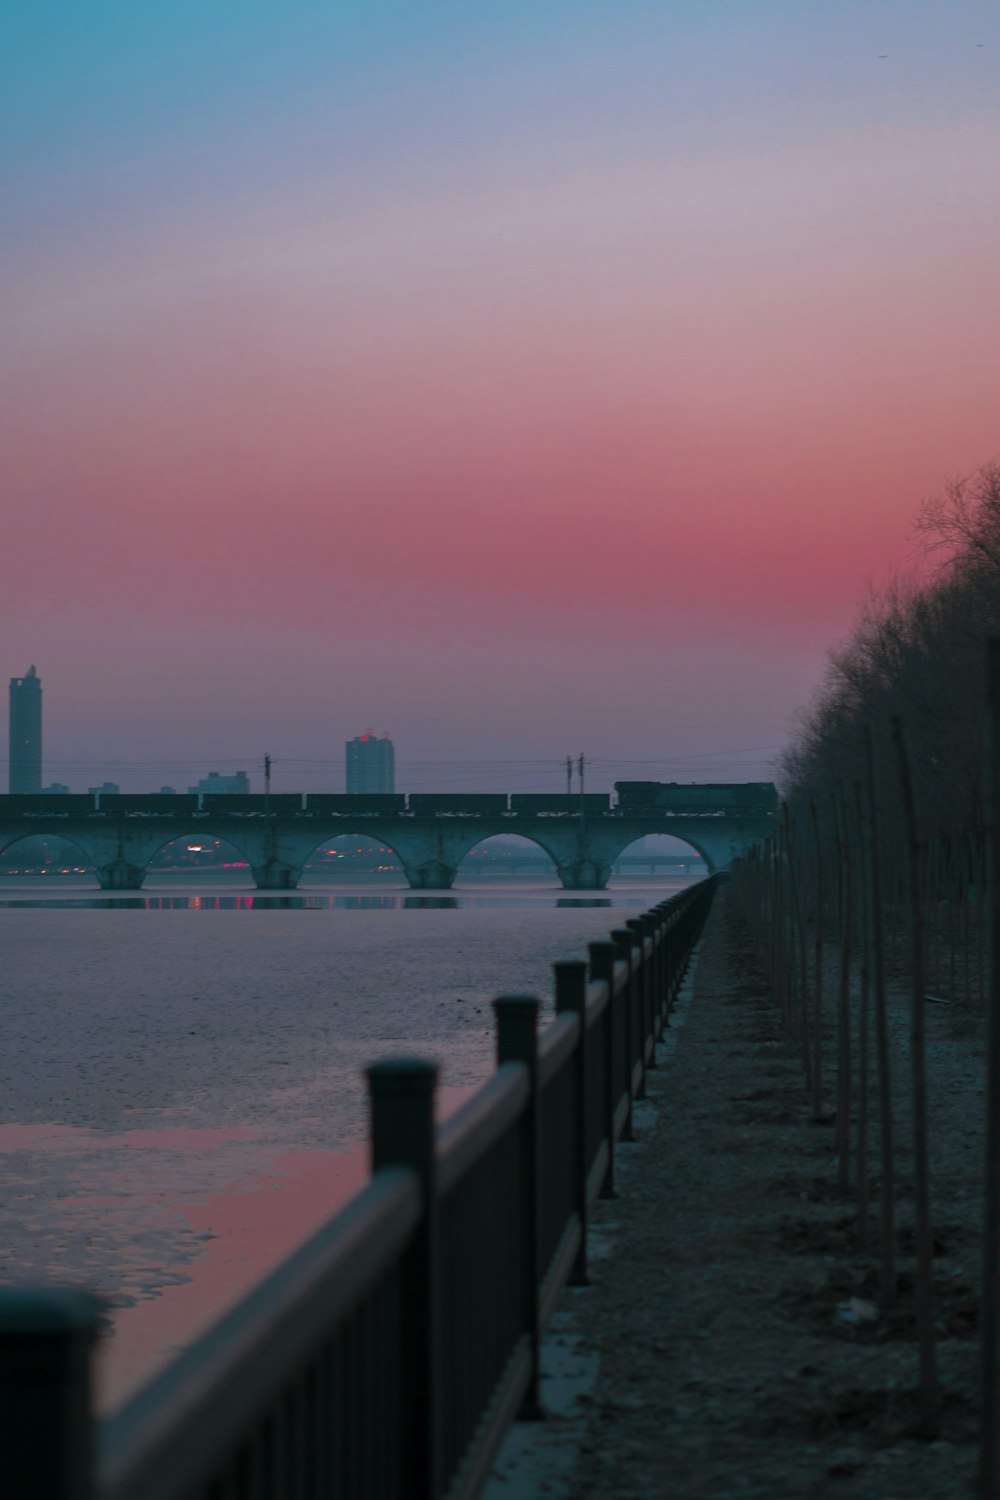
<point x="182" y="1099"/>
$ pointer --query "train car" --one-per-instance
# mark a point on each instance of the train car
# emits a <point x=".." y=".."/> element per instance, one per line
<point x="253" y="804"/>
<point x="356" y="804"/>
<point x="637" y="793"/>
<point x="149" y="804"/>
<point x="47" y="805"/>
<point x="458" y="804"/>
<point x="733" y="798"/>
<point x="562" y="804"/>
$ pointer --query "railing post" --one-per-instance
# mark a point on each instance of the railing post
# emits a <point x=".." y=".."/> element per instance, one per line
<point x="602" y="967"/>
<point x="517" y="1041"/>
<point x="652" y="931"/>
<point x="642" y="926"/>
<point x="664" y="968"/>
<point x="673" y="961"/>
<point x="571" y="998"/>
<point x="47" y="1443"/>
<point x="625" y="942"/>
<point x="401" y="1094"/>
<point x="662" y="997"/>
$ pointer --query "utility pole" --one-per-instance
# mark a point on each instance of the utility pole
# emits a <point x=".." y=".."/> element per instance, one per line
<point x="267" y="777"/>
<point x="569" y="775"/>
<point x="582" y="837"/>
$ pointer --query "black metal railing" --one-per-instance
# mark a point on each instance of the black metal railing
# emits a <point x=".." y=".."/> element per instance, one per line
<point x="387" y="1357"/>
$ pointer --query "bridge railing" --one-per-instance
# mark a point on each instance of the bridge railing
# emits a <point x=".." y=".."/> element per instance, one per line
<point x="333" y="806"/>
<point x="388" y="1355"/>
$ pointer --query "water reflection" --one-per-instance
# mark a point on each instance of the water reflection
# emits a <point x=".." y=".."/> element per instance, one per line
<point x="261" y="902"/>
<point x="173" y="1224"/>
<point x="496" y="898"/>
<point x="360" y="903"/>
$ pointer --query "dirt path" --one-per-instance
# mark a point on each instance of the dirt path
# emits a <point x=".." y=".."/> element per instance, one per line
<point x="726" y="1368"/>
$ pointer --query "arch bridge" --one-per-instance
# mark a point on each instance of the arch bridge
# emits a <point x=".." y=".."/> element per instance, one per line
<point x="430" y="833"/>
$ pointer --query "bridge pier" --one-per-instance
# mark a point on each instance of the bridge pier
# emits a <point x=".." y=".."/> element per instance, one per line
<point x="275" y="875"/>
<point x="584" y="875"/>
<point x="432" y="875"/>
<point x="120" y="875"/>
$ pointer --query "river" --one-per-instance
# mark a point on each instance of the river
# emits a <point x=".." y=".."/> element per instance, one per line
<point x="181" y="1076"/>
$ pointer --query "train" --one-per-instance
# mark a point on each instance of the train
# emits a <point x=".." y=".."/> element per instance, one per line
<point x="553" y="803"/>
<point x="458" y="804"/>
<point x="150" y="804"/>
<point x="48" y="804"/>
<point x="699" y="798"/>
<point x="367" y="804"/>
<point x="250" y="804"/>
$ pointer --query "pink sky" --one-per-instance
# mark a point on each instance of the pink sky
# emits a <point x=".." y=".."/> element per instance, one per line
<point x="565" y="440"/>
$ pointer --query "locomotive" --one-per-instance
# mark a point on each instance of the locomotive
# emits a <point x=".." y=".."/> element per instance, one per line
<point x="748" y="799"/>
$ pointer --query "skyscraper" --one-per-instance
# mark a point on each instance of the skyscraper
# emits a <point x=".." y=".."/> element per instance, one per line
<point x="26" y="732"/>
<point x="371" y="763"/>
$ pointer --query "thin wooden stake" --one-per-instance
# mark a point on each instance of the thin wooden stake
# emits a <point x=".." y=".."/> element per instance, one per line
<point x="921" y="1167"/>
<point x="864" y="1019"/>
<point x="801" y="959"/>
<point x="887" y="1196"/>
<point x="817" y="1072"/>
<point x="989" y="1457"/>
<point x="845" y="909"/>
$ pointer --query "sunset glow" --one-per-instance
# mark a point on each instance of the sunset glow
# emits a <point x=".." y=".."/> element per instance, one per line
<point x="526" y="379"/>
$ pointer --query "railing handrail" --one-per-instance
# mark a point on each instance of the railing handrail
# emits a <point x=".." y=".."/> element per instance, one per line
<point x="555" y="1044"/>
<point x="478" y="1123"/>
<point x="187" y="1414"/>
<point x="597" y="998"/>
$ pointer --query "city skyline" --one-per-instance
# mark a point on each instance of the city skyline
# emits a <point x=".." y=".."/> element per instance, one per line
<point x="368" y="765"/>
<point x="378" y="774"/>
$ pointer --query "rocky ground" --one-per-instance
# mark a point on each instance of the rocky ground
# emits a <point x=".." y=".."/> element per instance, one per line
<point x="739" y="1349"/>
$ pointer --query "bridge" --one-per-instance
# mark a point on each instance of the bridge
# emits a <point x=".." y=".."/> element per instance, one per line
<point x="430" y="833"/>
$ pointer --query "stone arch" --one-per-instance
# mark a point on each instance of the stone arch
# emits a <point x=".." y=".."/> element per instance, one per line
<point x="523" y="838"/>
<point x="8" y="841"/>
<point x="369" y="835"/>
<point x="154" y="845"/>
<point x="709" y="864"/>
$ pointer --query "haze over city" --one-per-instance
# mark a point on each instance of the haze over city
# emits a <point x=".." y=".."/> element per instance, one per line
<point x="526" y="380"/>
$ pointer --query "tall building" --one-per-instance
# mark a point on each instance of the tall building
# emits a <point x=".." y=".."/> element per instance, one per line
<point x="371" y="763"/>
<point x="26" y="732"/>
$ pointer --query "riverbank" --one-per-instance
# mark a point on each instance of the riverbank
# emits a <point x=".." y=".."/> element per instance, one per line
<point x="733" y="1325"/>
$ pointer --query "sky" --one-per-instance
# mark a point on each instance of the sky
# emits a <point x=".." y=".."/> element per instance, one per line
<point x="523" y="379"/>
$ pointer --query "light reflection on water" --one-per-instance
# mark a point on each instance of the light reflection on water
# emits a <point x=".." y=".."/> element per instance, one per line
<point x="266" y="901"/>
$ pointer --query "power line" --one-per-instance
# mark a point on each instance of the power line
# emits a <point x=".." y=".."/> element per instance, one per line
<point x="306" y="762"/>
